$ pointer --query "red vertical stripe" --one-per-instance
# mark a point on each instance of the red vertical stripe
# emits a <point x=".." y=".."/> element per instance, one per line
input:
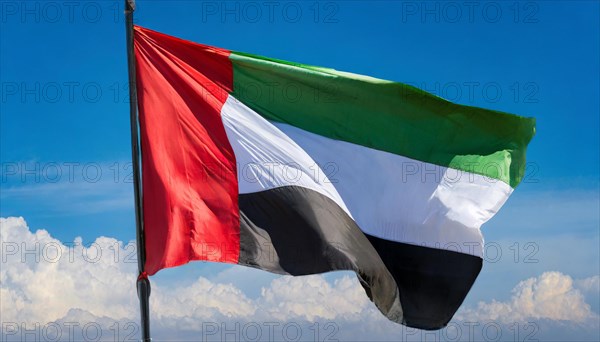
<point x="190" y="194"/>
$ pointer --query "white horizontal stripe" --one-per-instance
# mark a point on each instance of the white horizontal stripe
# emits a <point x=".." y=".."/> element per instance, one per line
<point x="266" y="158"/>
<point x="404" y="200"/>
<point x="389" y="196"/>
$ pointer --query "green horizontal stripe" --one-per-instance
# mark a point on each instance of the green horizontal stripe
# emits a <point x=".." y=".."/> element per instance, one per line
<point x="384" y="115"/>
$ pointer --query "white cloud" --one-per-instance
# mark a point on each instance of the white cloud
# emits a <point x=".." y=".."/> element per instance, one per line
<point x="312" y="298"/>
<point x="44" y="278"/>
<point x="591" y="284"/>
<point x="202" y="299"/>
<point x="550" y="296"/>
<point x="95" y="285"/>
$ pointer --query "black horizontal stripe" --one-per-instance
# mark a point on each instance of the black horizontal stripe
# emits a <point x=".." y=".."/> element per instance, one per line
<point x="432" y="282"/>
<point x="298" y="231"/>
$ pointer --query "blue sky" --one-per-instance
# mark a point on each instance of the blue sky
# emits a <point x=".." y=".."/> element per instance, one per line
<point x="65" y="148"/>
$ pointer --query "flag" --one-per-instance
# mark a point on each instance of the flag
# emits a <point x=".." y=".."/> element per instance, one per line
<point x="297" y="169"/>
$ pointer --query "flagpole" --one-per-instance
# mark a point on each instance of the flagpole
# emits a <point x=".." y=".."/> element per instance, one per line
<point x="143" y="283"/>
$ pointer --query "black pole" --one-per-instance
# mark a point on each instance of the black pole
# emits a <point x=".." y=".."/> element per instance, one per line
<point x="143" y="284"/>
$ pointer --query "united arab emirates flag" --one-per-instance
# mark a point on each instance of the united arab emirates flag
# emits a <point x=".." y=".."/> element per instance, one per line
<point x="297" y="169"/>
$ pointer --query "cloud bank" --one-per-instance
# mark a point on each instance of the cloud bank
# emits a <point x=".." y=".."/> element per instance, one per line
<point x="67" y="291"/>
<point x="550" y="296"/>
